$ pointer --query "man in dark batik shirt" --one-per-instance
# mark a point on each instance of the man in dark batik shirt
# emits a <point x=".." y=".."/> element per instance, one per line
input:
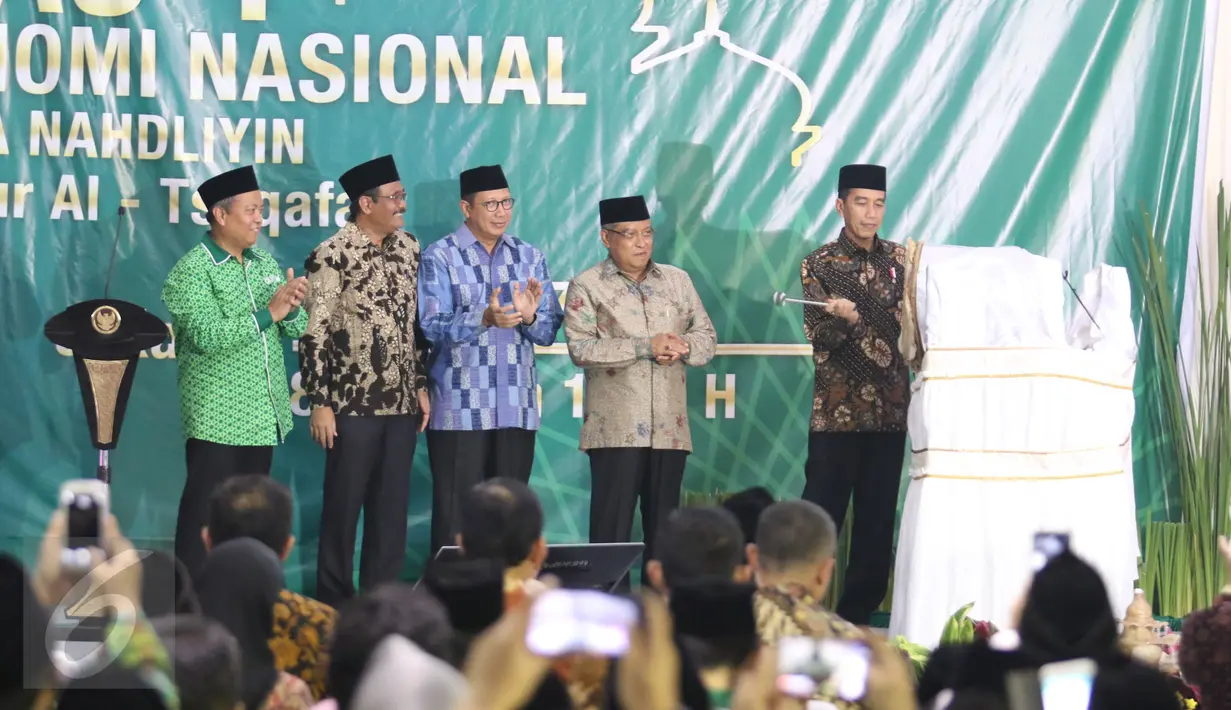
<point x="862" y="385"/>
<point x="363" y="365"/>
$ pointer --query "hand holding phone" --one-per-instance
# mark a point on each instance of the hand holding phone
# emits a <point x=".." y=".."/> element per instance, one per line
<point x="836" y="668"/>
<point x="1048" y="546"/>
<point x="568" y="621"/>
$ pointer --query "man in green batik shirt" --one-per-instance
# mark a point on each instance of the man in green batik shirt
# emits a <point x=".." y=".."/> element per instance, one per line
<point x="230" y="306"/>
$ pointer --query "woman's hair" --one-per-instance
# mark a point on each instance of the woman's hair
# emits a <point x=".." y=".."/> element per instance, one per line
<point x="1067" y="614"/>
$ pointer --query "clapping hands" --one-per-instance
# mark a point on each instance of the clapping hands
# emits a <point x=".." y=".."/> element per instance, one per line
<point x="527" y="302"/>
<point x="522" y="312"/>
<point x="289" y="296"/>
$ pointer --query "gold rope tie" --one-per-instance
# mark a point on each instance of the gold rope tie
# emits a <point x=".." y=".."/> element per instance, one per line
<point x="1028" y="375"/>
<point x="1023" y="453"/>
<point x="1018" y="479"/>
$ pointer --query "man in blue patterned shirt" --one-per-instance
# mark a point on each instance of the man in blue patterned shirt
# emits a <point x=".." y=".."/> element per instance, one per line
<point x="485" y="301"/>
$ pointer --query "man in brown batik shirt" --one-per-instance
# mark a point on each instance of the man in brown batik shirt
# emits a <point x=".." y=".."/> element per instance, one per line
<point x="862" y="390"/>
<point x="362" y="360"/>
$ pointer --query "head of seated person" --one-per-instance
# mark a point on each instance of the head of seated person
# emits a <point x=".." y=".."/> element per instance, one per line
<point x="1205" y="654"/>
<point x="717" y="630"/>
<point x="166" y="586"/>
<point x="113" y="688"/>
<point x="365" y="621"/>
<point x="795" y="548"/>
<point x="697" y="545"/>
<point x="254" y="506"/>
<point x="502" y="519"/>
<point x="206" y="660"/>
<point x="25" y="666"/>
<point x="1067" y="614"/>
<point x="747" y="506"/>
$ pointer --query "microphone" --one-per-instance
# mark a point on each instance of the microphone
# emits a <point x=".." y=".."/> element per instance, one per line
<point x="780" y="299"/>
<point x="115" y="245"/>
<point x="1065" y="276"/>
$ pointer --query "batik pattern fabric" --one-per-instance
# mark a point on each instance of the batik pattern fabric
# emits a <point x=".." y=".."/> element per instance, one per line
<point x="861" y="381"/>
<point x="610" y="320"/>
<point x="785" y="611"/>
<point x="303" y="628"/>
<point x="363" y="352"/>
<point x="483" y="377"/>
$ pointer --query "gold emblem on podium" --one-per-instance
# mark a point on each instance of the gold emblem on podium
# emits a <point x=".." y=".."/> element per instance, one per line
<point x="105" y="319"/>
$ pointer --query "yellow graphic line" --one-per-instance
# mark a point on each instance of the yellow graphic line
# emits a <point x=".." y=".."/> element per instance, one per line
<point x="650" y="58"/>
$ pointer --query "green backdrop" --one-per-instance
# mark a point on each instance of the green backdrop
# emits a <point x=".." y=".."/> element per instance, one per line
<point x="1042" y="124"/>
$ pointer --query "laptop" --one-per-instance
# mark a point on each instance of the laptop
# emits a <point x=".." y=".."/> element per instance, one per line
<point x="598" y="565"/>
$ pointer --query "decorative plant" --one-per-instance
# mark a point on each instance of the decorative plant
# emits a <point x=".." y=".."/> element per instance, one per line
<point x="702" y="499"/>
<point x="961" y="629"/>
<point x="916" y="654"/>
<point x="1181" y="561"/>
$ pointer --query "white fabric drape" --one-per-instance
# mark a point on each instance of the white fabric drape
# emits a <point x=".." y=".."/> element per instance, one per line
<point x="1213" y="164"/>
<point x="1020" y="422"/>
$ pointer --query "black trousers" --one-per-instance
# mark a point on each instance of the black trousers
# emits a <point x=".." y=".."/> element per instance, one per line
<point x="367" y="469"/>
<point x="618" y="477"/>
<point x="462" y="459"/>
<point x="210" y="464"/>
<point x="869" y="465"/>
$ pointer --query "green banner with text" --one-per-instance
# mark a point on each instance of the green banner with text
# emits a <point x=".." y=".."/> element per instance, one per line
<point x="1042" y="124"/>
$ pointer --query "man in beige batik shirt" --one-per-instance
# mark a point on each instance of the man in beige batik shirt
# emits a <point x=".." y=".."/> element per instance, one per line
<point x="634" y="326"/>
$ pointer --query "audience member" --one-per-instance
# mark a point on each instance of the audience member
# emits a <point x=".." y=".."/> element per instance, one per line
<point x="697" y="545"/>
<point x="696" y="549"/>
<point x="1205" y="651"/>
<point x="1066" y="616"/>
<point x="166" y="586"/>
<point x="24" y="667"/>
<point x="238" y="585"/>
<point x="113" y="688"/>
<point x="401" y="675"/>
<point x="502" y="519"/>
<point x="261" y="508"/>
<point x="252" y="506"/>
<point x="365" y="621"/>
<point x="747" y="506"/>
<point x="793" y="560"/>
<point x="717" y="631"/>
<point x="207" y="661"/>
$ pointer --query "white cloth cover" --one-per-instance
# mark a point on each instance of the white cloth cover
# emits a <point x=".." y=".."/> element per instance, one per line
<point x="1013" y="431"/>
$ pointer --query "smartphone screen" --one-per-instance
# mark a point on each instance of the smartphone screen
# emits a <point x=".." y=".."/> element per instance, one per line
<point x="84" y="519"/>
<point x="836" y="668"/>
<point x="1048" y="546"/>
<point x="567" y="621"/>
<point x="1067" y="685"/>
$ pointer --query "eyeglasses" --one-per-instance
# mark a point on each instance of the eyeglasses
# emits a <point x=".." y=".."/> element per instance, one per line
<point x="399" y="197"/>
<point x="647" y="234"/>
<point x="507" y="203"/>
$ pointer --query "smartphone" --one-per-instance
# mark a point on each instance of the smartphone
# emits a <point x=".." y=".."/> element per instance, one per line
<point x="1067" y="685"/>
<point x="836" y="668"/>
<point x="568" y="621"/>
<point x="85" y="503"/>
<point x="1048" y="546"/>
